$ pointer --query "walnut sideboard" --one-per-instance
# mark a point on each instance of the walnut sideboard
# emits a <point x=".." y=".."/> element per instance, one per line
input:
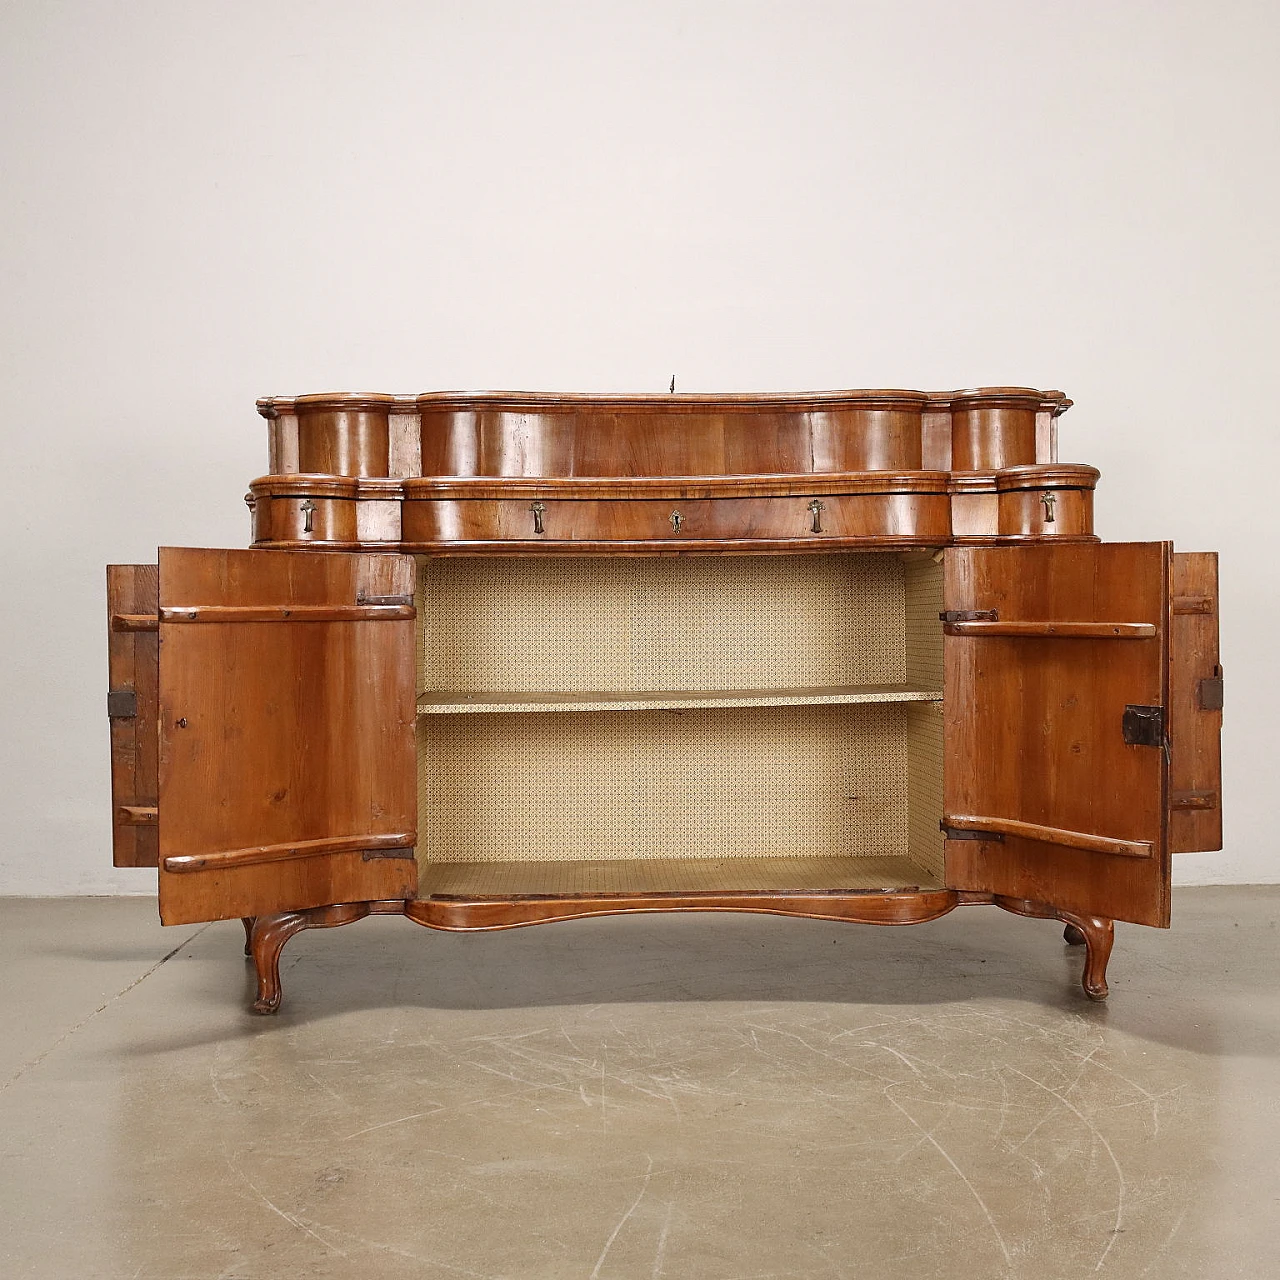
<point x="497" y="659"/>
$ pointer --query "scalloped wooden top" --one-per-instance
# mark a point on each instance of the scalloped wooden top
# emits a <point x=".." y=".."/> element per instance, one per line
<point x="1054" y="402"/>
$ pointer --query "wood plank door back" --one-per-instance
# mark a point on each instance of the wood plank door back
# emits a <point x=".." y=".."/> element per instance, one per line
<point x="287" y="766"/>
<point x="133" y="673"/>
<point x="1195" y="706"/>
<point x="1055" y="762"/>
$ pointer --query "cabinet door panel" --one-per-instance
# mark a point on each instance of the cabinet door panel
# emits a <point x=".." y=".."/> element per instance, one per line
<point x="1195" y="706"/>
<point x="133" y="672"/>
<point x="287" y="769"/>
<point x="1054" y="706"/>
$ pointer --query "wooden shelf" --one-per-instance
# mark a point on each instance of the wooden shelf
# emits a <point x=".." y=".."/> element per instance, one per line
<point x="582" y="878"/>
<point x="439" y="702"/>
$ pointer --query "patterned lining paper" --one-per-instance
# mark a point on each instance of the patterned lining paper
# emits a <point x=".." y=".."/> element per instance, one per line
<point x="672" y="875"/>
<point x="788" y="783"/>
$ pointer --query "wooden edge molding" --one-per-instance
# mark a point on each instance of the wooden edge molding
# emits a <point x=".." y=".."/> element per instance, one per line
<point x="1051" y="835"/>
<point x="1057" y="476"/>
<point x="663" y="546"/>
<point x="1055" y="402"/>
<point x="286" y="613"/>
<point x="135" y="622"/>
<point x="592" y="488"/>
<point x="1056" y="630"/>
<point x="135" y="815"/>
<point x="485" y="914"/>
<point x="225" y="859"/>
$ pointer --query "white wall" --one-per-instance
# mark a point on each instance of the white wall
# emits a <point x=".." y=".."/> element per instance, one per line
<point x="203" y="203"/>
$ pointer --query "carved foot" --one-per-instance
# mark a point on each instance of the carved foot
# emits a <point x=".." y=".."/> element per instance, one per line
<point x="1072" y="936"/>
<point x="266" y="941"/>
<point x="270" y="933"/>
<point x="1097" y="934"/>
<point x="247" y="921"/>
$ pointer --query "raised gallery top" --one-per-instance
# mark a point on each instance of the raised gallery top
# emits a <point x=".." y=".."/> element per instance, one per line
<point x="527" y="472"/>
<point x="551" y="434"/>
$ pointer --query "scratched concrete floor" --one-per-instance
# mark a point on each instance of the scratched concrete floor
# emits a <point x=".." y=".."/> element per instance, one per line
<point x="695" y="1097"/>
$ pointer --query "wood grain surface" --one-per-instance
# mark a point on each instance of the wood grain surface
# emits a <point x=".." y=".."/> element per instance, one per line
<point x="279" y="733"/>
<point x="1195" y="730"/>
<point x="1034" y="725"/>
<point x="133" y="666"/>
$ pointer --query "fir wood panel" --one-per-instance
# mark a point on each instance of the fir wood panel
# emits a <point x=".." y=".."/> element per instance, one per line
<point x="1034" y="725"/>
<point x="133" y="666"/>
<point x="284" y="732"/>
<point x="1195" y="730"/>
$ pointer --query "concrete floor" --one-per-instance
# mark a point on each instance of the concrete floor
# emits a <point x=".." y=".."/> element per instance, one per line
<point x="691" y="1097"/>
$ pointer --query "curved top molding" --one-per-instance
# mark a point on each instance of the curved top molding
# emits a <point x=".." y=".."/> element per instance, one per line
<point x="548" y="434"/>
<point x="1053" y="402"/>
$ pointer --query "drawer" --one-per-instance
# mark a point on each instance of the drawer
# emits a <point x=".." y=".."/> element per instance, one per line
<point x="918" y="517"/>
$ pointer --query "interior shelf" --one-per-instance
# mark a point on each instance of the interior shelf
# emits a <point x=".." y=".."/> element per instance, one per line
<point x="581" y="878"/>
<point x="445" y="702"/>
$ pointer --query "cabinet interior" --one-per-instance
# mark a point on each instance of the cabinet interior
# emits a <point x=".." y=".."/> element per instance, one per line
<point x="679" y="724"/>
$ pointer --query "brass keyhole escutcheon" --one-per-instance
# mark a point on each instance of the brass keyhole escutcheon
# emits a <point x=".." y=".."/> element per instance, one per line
<point x="817" y="508"/>
<point x="308" y="510"/>
<point x="675" y="517"/>
<point x="538" y="508"/>
<point x="1049" y="502"/>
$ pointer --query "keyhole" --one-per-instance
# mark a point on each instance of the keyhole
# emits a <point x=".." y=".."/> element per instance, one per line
<point x="1049" y="501"/>
<point x="817" y="508"/>
<point x="538" y="508"/>
<point x="675" y="519"/>
<point x="308" y="510"/>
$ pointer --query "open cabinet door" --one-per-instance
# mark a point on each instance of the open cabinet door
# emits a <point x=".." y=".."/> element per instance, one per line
<point x="1056" y="756"/>
<point x="286" y="741"/>
<point x="133" y="669"/>
<point x="1195" y="706"/>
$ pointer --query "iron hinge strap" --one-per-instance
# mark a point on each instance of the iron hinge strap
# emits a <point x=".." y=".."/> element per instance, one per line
<point x="1143" y="726"/>
<point x="122" y="704"/>
<point x="955" y="833"/>
<point x="1210" y="692"/>
<point x="969" y="615"/>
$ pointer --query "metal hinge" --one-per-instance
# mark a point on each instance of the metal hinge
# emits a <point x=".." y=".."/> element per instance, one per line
<point x="122" y="704"/>
<point x="1143" y="726"/>
<point x="377" y="855"/>
<point x="1210" y="692"/>
<point x="969" y="615"/>
<point x="954" y="833"/>
<point x="361" y="598"/>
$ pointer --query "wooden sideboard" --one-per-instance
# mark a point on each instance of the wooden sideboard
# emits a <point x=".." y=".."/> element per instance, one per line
<point x="496" y="659"/>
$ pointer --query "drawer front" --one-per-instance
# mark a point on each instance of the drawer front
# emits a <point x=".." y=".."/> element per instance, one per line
<point x="1047" y="512"/>
<point x="303" y="518"/>
<point x="918" y="517"/>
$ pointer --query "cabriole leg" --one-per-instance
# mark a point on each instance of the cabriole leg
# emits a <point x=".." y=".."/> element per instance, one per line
<point x="247" y="921"/>
<point x="270" y="933"/>
<point x="266" y="941"/>
<point x="1072" y="936"/>
<point x="1097" y="934"/>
